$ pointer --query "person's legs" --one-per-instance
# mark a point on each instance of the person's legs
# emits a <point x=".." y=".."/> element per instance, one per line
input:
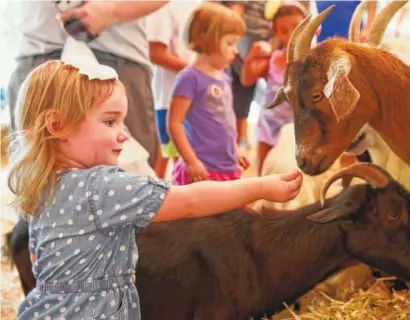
<point x="161" y="164"/>
<point x="24" y="67"/>
<point x="140" y="119"/>
<point x="262" y="151"/>
<point x="242" y="99"/>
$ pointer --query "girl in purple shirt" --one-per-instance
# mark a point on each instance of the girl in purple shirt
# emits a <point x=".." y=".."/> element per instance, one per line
<point x="201" y="119"/>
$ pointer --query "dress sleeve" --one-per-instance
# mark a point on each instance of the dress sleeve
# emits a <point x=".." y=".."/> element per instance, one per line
<point x="118" y="198"/>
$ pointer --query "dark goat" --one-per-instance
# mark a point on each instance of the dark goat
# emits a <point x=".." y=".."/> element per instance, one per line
<point x="16" y="244"/>
<point x="239" y="264"/>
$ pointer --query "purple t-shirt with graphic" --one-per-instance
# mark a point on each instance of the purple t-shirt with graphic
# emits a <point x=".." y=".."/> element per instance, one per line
<point x="210" y="122"/>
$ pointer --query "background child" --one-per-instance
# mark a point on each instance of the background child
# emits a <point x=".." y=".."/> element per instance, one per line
<point x="263" y="62"/>
<point x="201" y="120"/>
<point x="84" y="210"/>
<point x="170" y="54"/>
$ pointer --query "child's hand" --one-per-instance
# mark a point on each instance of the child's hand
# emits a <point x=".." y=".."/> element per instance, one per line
<point x="281" y="187"/>
<point x="197" y="171"/>
<point x="243" y="162"/>
<point x="260" y="49"/>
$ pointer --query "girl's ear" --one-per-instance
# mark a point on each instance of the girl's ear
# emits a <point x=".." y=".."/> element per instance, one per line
<point x="53" y="123"/>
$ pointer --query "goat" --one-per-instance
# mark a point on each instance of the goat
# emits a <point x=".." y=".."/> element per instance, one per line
<point x="239" y="264"/>
<point x="340" y="86"/>
<point x="281" y="160"/>
<point x="384" y="157"/>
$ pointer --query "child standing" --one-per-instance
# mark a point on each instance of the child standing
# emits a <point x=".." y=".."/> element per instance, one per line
<point x="263" y="62"/>
<point x="202" y="120"/>
<point x="84" y="210"/>
<point x="170" y="55"/>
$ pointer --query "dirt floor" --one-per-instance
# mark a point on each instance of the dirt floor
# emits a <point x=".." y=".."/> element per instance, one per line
<point x="11" y="293"/>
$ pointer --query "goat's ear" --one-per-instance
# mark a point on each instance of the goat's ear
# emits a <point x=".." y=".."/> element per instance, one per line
<point x="332" y="213"/>
<point x="340" y="92"/>
<point x="328" y="214"/>
<point x="280" y="98"/>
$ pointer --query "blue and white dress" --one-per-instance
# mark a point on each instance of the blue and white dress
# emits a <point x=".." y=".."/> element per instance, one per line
<point x="85" y="245"/>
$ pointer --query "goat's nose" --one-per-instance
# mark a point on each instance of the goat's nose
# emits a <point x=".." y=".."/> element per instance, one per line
<point x="301" y="162"/>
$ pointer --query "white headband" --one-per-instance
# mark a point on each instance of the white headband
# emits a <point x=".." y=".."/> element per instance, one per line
<point x="79" y="55"/>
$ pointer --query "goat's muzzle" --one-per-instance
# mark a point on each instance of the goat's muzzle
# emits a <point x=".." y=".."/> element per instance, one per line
<point x="370" y="173"/>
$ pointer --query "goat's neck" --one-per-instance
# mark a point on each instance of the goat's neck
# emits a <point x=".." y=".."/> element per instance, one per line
<point x="391" y="87"/>
<point x="307" y="254"/>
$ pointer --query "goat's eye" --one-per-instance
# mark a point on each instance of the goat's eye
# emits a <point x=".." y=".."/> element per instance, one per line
<point x="394" y="215"/>
<point x="317" y="96"/>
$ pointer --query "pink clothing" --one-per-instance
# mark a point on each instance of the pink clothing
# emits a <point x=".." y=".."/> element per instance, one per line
<point x="180" y="175"/>
<point x="271" y="121"/>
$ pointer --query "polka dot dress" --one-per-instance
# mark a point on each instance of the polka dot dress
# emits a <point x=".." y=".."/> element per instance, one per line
<point x="85" y="245"/>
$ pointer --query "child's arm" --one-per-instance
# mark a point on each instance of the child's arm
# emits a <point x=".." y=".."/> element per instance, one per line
<point x="160" y="56"/>
<point x="33" y="258"/>
<point x="176" y="115"/>
<point x="243" y="161"/>
<point x="160" y="31"/>
<point x="256" y="64"/>
<point x="214" y="197"/>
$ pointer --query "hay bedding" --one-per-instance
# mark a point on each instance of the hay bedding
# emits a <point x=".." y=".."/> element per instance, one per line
<point x="376" y="303"/>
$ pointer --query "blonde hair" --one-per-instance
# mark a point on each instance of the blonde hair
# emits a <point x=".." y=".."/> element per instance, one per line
<point x="208" y="24"/>
<point x="57" y="88"/>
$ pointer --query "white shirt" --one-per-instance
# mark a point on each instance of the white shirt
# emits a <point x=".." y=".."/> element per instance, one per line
<point x="42" y="33"/>
<point x="167" y="26"/>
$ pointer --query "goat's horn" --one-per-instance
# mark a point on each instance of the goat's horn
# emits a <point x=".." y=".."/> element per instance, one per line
<point x="381" y="21"/>
<point x="279" y="98"/>
<point x="304" y="42"/>
<point x="354" y="27"/>
<point x="372" y="174"/>
<point x="294" y="38"/>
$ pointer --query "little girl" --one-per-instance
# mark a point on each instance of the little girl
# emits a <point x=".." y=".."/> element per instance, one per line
<point x="83" y="209"/>
<point x="262" y="62"/>
<point x="201" y="117"/>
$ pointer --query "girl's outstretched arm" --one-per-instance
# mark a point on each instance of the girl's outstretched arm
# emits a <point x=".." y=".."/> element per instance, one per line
<point x="210" y="197"/>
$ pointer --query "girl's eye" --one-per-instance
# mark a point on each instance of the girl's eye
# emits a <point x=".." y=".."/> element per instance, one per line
<point x="110" y="122"/>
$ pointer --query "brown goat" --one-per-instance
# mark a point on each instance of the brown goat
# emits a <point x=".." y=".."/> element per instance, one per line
<point x="237" y="264"/>
<point x="340" y="86"/>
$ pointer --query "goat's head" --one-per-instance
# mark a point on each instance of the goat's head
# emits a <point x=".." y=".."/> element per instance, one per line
<point x="374" y="218"/>
<point x="331" y="99"/>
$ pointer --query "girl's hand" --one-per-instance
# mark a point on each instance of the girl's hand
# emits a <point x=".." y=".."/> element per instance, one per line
<point x="243" y="162"/>
<point x="260" y="49"/>
<point x="197" y="171"/>
<point x="281" y="187"/>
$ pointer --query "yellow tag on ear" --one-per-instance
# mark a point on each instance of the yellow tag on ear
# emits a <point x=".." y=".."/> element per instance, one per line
<point x="271" y="7"/>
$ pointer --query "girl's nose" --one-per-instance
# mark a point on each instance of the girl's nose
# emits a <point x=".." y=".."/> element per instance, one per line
<point x="123" y="135"/>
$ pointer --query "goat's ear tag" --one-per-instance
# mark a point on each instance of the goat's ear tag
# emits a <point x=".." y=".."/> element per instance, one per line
<point x="340" y="92"/>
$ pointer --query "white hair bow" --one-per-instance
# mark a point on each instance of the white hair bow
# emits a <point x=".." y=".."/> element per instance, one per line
<point x="79" y="55"/>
